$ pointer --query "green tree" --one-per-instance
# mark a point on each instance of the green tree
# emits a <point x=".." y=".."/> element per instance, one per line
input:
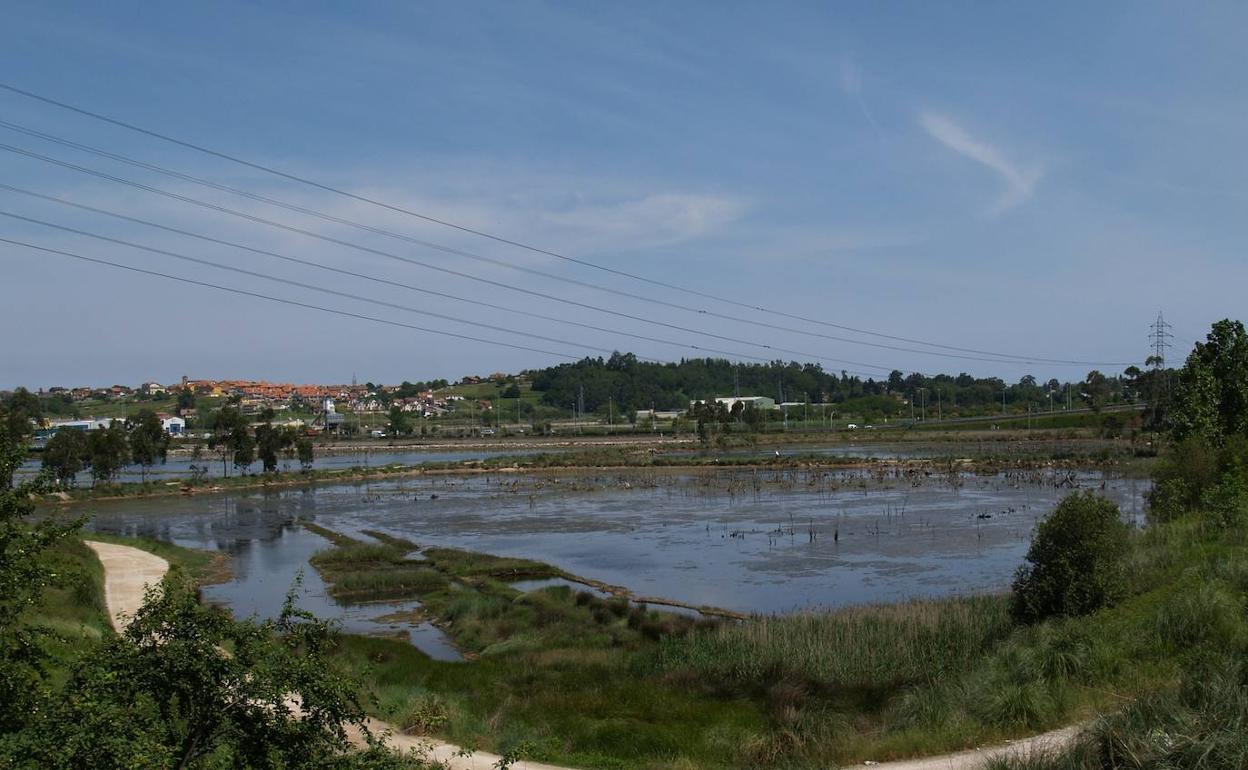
<point x="109" y="450"/>
<point x="22" y="410"/>
<point x="23" y="576"/>
<point x="163" y="694"/>
<point x="400" y="422"/>
<point x="1211" y="400"/>
<point x="1076" y="562"/>
<point x="186" y="399"/>
<point x="66" y="455"/>
<point x="149" y="444"/>
<point x="270" y="441"/>
<point x="1095" y="390"/>
<point x="303" y="446"/>
<point x="231" y="433"/>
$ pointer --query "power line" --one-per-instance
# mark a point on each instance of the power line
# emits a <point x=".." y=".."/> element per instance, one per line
<point x="330" y="239"/>
<point x="338" y="270"/>
<point x="348" y="295"/>
<point x="1015" y="360"/>
<point x="295" y="303"/>
<point x="290" y="282"/>
<point x="538" y="250"/>
<point x="429" y="266"/>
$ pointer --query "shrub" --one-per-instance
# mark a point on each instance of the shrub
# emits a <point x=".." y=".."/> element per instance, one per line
<point x="1195" y="475"/>
<point x="1168" y="500"/>
<point x="1225" y="505"/>
<point x="1076" y="561"/>
<point x="424" y="714"/>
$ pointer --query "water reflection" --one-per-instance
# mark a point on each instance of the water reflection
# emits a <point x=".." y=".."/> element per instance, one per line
<point x="740" y="540"/>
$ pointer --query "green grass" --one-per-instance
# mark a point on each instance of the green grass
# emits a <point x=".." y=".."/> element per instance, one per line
<point x="589" y="708"/>
<point x="879" y="647"/>
<point x="361" y="572"/>
<point x="72" y="606"/>
<point x="205" y="567"/>
<point x="573" y="673"/>
<point x="464" y="564"/>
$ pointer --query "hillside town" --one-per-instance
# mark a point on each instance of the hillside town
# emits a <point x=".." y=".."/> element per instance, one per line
<point x="311" y="408"/>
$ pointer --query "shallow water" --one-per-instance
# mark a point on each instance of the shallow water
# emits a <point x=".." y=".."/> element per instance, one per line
<point x="180" y="467"/>
<point x="751" y="542"/>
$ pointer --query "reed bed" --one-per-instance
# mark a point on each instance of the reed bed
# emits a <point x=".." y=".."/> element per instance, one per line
<point x="873" y="647"/>
<point x="359" y="571"/>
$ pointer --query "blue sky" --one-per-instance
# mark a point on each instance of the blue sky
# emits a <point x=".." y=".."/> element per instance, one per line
<point x="1034" y="179"/>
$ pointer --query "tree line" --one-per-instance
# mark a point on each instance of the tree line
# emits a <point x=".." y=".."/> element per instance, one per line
<point x="241" y="444"/>
<point x="631" y="384"/>
<point x="140" y="439"/>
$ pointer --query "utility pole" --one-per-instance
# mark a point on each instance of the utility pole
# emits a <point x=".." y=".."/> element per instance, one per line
<point x="923" y="409"/>
<point x="939" y="414"/>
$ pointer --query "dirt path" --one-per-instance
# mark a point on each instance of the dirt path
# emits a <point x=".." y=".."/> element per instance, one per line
<point x="974" y="759"/>
<point x="129" y="571"/>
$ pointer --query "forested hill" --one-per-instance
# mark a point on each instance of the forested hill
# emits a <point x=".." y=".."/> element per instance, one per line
<point x="632" y="384"/>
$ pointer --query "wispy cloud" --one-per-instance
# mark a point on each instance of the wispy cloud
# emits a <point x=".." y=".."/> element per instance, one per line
<point x="1020" y="182"/>
<point x="851" y="84"/>
<point x="653" y="220"/>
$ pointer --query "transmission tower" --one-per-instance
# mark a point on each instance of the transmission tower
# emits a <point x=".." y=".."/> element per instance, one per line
<point x="1160" y="337"/>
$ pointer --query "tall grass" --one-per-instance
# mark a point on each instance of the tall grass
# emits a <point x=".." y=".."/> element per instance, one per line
<point x="1202" y="724"/>
<point x="882" y="646"/>
<point x="361" y="572"/>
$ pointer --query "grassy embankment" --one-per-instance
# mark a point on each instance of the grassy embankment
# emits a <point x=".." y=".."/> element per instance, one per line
<point x="1187" y="603"/>
<point x="72" y="607"/>
<point x="917" y="678"/>
<point x="603" y="683"/>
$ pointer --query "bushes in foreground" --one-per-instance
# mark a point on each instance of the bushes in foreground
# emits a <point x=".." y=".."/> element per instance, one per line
<point x="1076" y="563"/>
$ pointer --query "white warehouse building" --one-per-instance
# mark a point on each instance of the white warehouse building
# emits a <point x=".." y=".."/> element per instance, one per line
<point x="758" y="402"/>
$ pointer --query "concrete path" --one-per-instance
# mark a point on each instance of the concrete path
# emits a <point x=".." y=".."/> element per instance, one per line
<point x="128" y="572"/>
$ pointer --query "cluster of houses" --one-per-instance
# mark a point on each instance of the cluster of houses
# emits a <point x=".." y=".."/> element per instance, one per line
<point x="258" y="395"/>
<point x="326" y="402"/>
<point x="108" y="393"/>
